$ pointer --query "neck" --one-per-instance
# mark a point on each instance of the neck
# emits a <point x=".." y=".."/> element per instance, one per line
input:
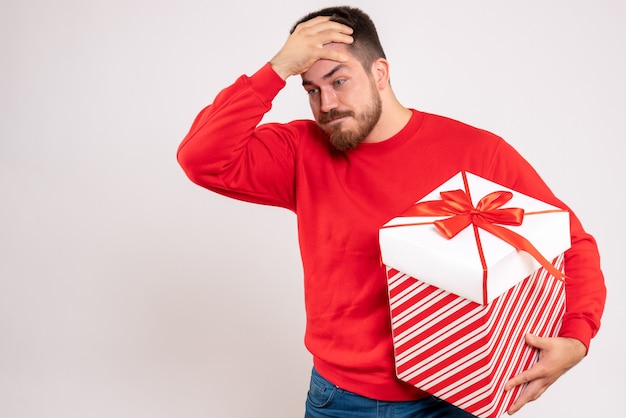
<point x="393" y="119"/>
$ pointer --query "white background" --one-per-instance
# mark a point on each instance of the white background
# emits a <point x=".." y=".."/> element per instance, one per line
<point x="127" y="291"/>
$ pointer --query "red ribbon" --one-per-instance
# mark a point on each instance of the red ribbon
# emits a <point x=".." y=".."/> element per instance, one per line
<point x="485" y="215"/>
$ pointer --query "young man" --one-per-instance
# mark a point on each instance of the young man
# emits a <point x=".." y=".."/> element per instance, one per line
<point x="362" y="161"/>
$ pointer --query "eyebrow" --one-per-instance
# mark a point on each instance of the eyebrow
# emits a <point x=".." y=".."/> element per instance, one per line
<point x="325" y="76"/>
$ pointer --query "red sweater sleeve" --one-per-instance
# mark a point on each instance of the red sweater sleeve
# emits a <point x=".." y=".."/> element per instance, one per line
<point x="585" y="288"/>
<point x="227" y="153"/>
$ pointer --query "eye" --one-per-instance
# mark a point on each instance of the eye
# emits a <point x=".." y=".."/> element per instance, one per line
<point x="339" y="82"/>
<point x="312" y="91"/>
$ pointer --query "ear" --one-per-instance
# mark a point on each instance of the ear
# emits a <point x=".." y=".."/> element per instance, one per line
<point x="380" y="73"/>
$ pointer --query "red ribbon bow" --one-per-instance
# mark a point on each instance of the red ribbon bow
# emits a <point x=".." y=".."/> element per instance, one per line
<point x="485" y="215"/>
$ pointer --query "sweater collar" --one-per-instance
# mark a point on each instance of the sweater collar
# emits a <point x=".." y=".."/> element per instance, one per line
<point x="406" y="133"/>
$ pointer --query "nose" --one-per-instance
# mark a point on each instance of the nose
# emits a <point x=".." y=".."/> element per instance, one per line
<point x="328" y="100"/>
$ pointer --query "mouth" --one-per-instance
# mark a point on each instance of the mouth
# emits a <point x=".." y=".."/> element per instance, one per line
<point x="334" y="117"/>
<point x="335" y="120"/>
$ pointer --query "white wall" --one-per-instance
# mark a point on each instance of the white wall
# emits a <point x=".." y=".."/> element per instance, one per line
<point x="127" y="291"/>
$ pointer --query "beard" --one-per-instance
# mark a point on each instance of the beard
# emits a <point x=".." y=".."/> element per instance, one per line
<point x="346" y="139"/>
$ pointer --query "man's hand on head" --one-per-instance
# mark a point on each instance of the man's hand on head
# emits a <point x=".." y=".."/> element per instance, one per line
<point x="305" y="46"/>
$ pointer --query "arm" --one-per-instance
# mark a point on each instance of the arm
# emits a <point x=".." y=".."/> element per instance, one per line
<point x="585" y="295"/>
<point x="584" y="287"/>
<point x="225" y="150"/>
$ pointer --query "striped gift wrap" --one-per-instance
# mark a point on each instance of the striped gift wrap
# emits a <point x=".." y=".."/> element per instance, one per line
<point x="464" y="352"/>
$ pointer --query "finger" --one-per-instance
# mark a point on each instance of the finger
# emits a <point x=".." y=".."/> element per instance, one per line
<point x="312" y="22"/>
<point x="314" y="28"/>
<point x="534" y="341"/>
<point x="334" y="55"/>
<point x="323" y="22"/>
<point x="531" y="393"/>
<point x="329" y="36"/>
<point x="520" y="379"/>
<point x="527" y="376"/>
<point x="338" y="27"/>
<point x="326" y="37"/>
<point x="318" y="37"/>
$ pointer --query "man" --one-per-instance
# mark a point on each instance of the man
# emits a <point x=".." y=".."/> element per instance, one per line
<point x="364" y="160"/>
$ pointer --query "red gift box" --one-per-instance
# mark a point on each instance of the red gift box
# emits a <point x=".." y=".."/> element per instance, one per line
<point x="464" y="352"/>
<point x="461" y="304"/>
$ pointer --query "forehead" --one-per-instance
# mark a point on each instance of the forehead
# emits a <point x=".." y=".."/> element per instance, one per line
<point x="324" y="69"/>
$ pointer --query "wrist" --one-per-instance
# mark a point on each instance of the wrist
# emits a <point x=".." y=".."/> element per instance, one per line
<point x="282" y="72"/>
<point x="577" y="346"/>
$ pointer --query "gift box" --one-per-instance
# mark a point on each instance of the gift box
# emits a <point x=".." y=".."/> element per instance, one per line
<point x="496" y="243"/>
<point x="466" y="283"/>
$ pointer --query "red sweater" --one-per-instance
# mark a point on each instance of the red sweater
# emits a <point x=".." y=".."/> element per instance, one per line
<point x="342" y="199"/>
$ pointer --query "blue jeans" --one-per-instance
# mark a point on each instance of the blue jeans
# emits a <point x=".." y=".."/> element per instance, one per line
<point x="326" y="400"/>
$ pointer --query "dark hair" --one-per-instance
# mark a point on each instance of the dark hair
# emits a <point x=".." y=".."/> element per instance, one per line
<point x="366" y="46"/>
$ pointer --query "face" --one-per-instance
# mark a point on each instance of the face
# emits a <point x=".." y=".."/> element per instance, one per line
<point x="344" y="99"/>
